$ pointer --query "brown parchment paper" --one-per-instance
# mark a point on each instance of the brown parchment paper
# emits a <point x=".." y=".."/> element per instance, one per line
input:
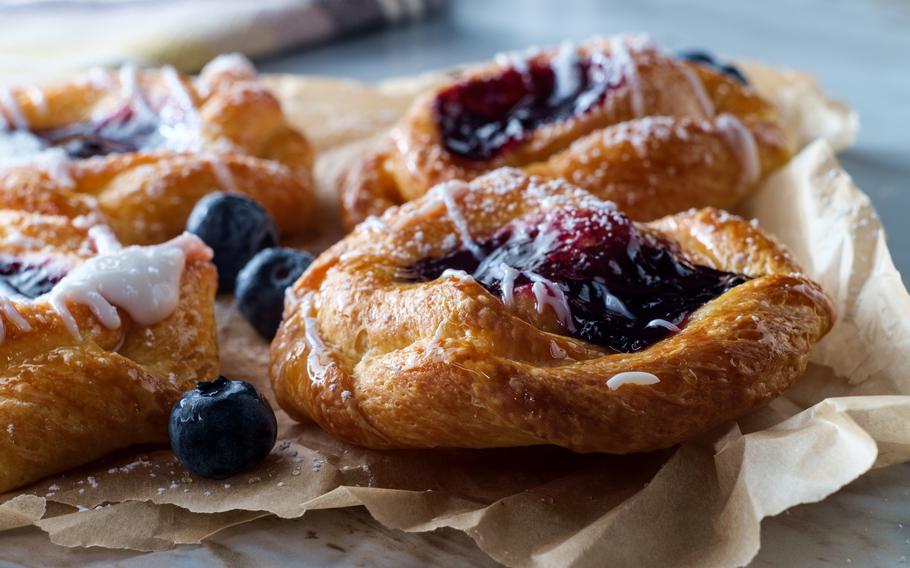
<point x="696" y="505"/>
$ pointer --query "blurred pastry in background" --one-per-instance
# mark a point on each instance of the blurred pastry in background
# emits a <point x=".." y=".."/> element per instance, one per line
<point x="141" y="147"/>
<point x="653" y="133"/>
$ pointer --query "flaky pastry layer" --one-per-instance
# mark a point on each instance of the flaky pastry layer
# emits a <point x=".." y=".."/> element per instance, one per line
<point x="67" y="399"/>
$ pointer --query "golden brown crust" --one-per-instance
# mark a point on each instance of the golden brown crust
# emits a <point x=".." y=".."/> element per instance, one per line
<point x="444" y="363"/>
<point x="65" y="401"/>
<point x="698" y="139"/>
<point x="239" y="141"/>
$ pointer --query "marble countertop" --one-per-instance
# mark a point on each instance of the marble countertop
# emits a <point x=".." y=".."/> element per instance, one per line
<point x="860" y="52"/>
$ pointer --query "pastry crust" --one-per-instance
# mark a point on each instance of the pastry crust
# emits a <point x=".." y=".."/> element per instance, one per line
<point x="388" y="364"/>
<point x="67" y="399"/>
<point x="221" y="131"/>
<point x="671" y="135"/>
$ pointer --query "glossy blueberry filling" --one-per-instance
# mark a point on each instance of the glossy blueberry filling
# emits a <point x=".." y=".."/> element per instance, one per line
<point x="607" y="282"/>
<point x="18" y="278"/>
<point x="480" y="119"/>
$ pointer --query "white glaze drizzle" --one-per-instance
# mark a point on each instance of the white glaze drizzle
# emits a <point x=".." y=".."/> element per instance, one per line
<point x="132" y="90"/>
<point x="143" y="281"/>
<point x="180" y="92"/>
<point x="3" y="329"/>
<point x="15" y="237"/>
<point x="176" y="132"/>
<point x="619" y="52"/>
<point x="10" y="311"/>
<point x="235" y="64"/>
<point x="317" y="359"/>
<point x="39" y="100"/>
<point x="565" y="75"/>
<point x="223" y="174"/>
<point x="12" y="314"/>
<point x="455" y="273"/>
<point x="98" y="77"/>
<point x="664" y="324"/>
<point x="741" y="141"/>
<point x="188" y="131"/>
<point x="699" y="89"/>
<point x="508" y="276"/>
<point x="105" y="240"/>
<point x="547" y="293"/>
<point x="447" y="192"/>
<point x="631" y="378"/>
<point x="556" y="351"/>
<point x="20" y="147"/>
<point x="17" y="117"/>
<point x="439" y="333"/>
<point x="615" y="305"/>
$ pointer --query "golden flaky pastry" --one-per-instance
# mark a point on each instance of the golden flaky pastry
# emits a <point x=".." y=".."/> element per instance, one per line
<point x="513" y="311"/>
<point x="652" y="133"/>
<point x="97" y="341"/>
<point x="143" y="146"/>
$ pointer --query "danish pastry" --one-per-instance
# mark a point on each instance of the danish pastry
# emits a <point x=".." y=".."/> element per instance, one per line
<point x="144" y="146"/>
<point x="652" y="133"/>
<point x="97" y="340"/>
<point x="513" y="311"/>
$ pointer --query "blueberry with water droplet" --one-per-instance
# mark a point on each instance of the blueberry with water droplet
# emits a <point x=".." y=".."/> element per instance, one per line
<point x="221" y="428"/>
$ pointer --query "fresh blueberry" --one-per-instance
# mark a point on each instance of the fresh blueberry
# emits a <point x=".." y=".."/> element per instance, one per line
<point x="700" y="56"/>
<point x="261" y="285"/>
<point x="236" y="228"/>
<point x="697" y="56"/>
<point x="222" y="428"/>
<point x="734" y="72"/>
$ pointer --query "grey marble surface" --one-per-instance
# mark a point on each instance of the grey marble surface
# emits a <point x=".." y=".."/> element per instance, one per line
<point x="860" y="50"/>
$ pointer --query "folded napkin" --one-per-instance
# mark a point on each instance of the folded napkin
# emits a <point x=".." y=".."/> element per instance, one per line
<point x="44" y="39"/>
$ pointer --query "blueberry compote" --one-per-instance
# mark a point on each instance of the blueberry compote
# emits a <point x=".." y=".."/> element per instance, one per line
<point x="482" y="118"/>
<point x="125" y="130"/>
<point x="18" y="278"/>
<point x="607" y="282"/>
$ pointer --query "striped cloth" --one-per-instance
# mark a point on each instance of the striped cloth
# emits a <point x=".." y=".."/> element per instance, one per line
<point x="43" y="39"/>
